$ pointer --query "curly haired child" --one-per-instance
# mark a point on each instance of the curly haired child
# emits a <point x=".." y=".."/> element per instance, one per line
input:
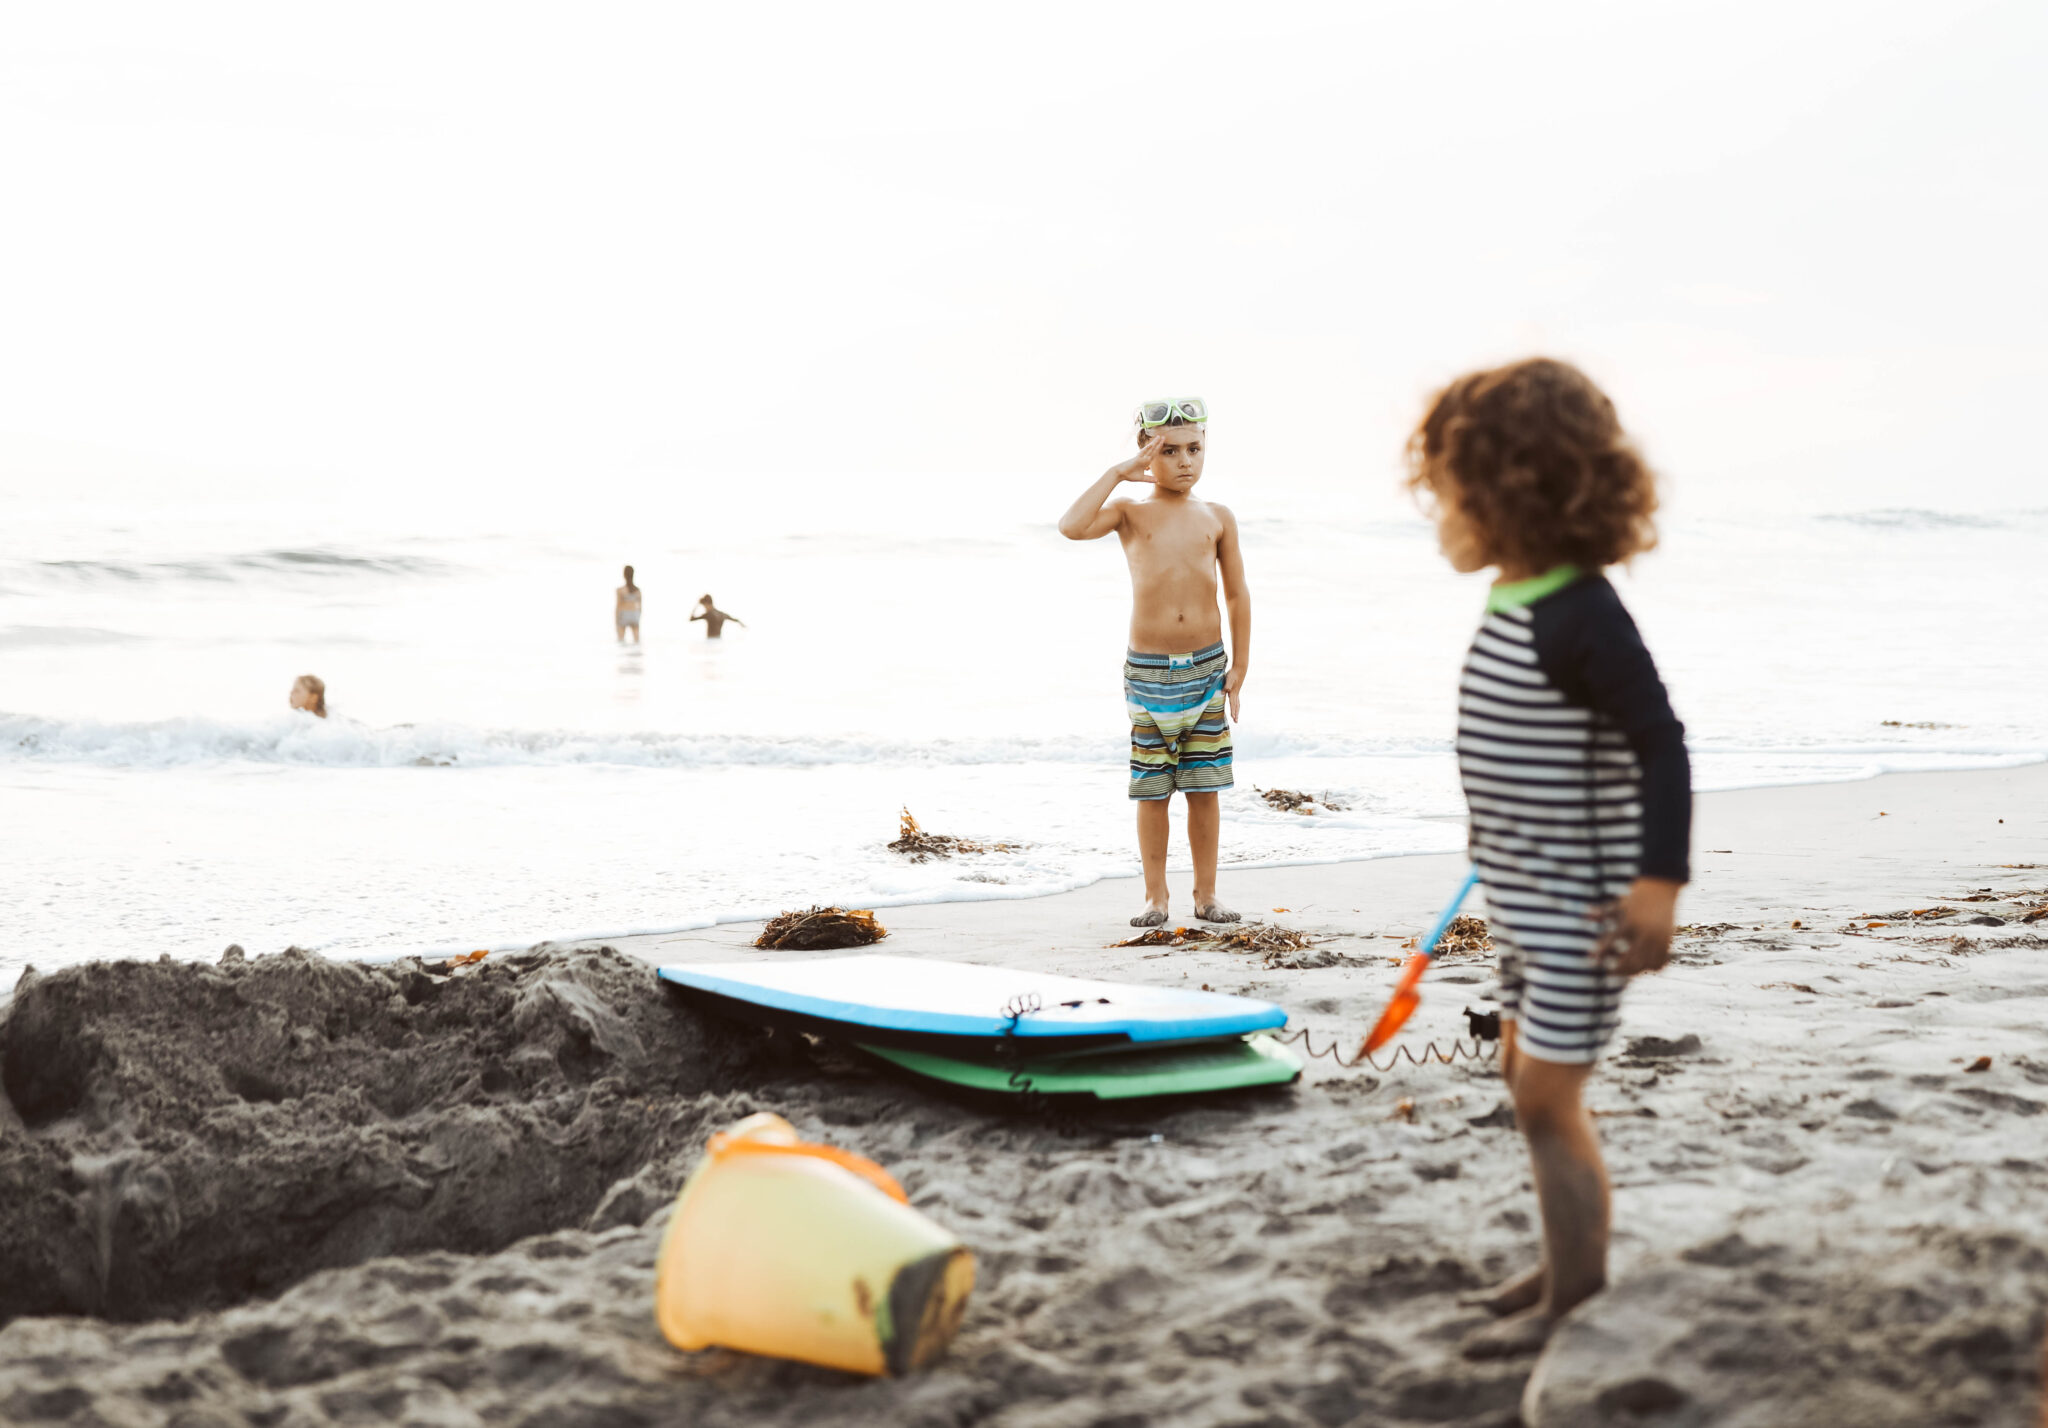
<point x="1574" y="769"/>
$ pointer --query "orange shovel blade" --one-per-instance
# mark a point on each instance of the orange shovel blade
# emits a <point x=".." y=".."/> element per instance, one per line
<point x="1400" y="1006"/>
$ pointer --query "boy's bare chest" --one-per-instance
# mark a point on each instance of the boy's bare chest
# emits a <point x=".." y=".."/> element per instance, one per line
<point x="1161" y="538"/>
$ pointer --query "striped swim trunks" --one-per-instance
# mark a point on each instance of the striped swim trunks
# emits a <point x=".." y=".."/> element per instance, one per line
<point x="1180" y="738"/>
<point x="1565" y="1008"/>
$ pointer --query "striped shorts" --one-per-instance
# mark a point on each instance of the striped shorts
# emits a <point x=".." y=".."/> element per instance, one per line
<point x="1564" y="1007"/>
<point x="1180" y="737"/>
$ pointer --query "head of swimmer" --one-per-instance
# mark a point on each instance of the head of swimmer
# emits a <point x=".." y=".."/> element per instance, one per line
<point x="629" y="577"/>
<point x="309" y="692"/>
<point x="1177" y="460"/>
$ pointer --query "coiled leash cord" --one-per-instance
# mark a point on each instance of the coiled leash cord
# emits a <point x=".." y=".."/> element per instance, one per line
<point x="1014" y="1011"/>
<point x="1481" y="1045"/>
<point x="1031" y="1102"/>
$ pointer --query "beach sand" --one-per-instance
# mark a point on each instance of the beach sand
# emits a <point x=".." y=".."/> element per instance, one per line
<point x="305" y="1192"/>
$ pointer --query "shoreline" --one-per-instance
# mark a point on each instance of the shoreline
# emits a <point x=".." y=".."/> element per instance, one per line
<point x="432" y="883"/>
<point x="1935" y="812"/>
<point x="1225" y="871"/>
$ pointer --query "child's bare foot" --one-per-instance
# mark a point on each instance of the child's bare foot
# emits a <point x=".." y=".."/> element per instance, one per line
<point x="1153" y="915"/>
<point x="1514" y="1336"/>
<point x="1511" y="1297"/>
<point x="1214" y="911"/>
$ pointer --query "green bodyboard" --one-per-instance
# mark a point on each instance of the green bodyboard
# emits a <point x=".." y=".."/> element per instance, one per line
<point x="1183" y="1070"/>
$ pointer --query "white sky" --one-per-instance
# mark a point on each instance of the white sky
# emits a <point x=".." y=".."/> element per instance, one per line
<point x="471" y="249"/>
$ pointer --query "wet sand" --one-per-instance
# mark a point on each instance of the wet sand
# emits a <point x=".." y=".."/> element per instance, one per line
<point x="287" y="1191"/>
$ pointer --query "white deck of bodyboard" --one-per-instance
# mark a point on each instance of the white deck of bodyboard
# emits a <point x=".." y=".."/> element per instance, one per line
<point x="968" y="999"/>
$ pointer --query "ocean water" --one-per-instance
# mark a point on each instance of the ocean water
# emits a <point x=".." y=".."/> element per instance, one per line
<point x="497" y="770"/>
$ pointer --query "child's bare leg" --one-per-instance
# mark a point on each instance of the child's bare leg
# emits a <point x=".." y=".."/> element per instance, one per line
<point x="1571" y="1192"/>
<point x="1510" y="1053"/>
<point x="1514" y="1295"/>
<point x="1152" y="829"/>
<point x="1205" y="824"/>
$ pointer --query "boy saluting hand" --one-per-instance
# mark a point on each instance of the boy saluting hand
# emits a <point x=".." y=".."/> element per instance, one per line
<point x="1177" y="679"/>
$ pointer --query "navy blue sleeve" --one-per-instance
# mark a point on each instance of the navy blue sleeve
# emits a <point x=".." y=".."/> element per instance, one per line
<point x="1590" y="647"/>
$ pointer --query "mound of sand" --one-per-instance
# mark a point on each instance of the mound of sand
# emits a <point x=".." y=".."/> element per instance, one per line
<point x="195" y="1136"/>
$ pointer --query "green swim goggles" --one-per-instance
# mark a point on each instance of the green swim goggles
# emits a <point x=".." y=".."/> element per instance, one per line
<point x="1189" y="409"/>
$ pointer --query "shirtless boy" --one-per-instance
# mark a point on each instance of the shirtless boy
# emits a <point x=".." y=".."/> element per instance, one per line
<point x="1176" y="679"/>
<point x="715" y="619"/>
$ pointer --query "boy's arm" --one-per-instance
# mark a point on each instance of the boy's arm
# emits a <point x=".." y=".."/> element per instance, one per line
<point x="1237" y="600"/>
<point x="1592" y="650"/>
<point x="1087" y="518"/>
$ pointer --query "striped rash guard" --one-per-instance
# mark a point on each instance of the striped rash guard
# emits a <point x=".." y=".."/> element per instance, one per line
<point x="1575" y="771"/>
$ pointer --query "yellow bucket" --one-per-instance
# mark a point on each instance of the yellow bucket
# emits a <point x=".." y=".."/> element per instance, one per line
<point x="803" y="1251"/>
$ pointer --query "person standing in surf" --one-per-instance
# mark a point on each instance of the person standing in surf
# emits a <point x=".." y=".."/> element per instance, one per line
<point x="1180" y="687"/>
<point x="626" y="609"/>
<point x="1574" y="769"/>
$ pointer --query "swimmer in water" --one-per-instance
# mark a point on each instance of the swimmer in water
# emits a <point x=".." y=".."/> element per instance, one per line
<point x="626" y="610"/>
<point x="309" y="692"/>
<point x="714" y="618"/>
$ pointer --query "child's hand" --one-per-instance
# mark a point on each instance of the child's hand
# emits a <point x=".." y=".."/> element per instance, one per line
<point x="1134" y="469"/>
<point x="1232" y="682"/>
<point x="1639" y="924"/>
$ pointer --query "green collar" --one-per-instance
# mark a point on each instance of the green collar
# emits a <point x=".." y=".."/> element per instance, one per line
<point x="1514" y="594"/>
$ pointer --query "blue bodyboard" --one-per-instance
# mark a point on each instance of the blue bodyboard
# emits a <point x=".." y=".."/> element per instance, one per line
<point x="917" y="999"/>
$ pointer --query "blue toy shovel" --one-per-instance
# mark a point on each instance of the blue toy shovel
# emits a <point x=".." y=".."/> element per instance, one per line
<point x="1407" y="993"/>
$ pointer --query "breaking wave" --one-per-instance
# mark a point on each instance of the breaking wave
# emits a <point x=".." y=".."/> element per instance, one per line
<point x="316" y="562"/>
<point x="341" y="742"/>
<point x="21" y="637"/>
<point x="344" y="743"/>
<point x="1916" y="519"/>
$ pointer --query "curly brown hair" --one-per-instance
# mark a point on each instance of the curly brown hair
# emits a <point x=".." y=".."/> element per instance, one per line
<point x="1534" y="457"/>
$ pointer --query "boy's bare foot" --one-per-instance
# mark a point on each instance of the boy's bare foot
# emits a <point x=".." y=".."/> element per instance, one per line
<point x="1215" y="912"/>
<point x="1512" y="1297"/>
<point x="1152" y="916"/>
<point x="1519" y="1334"/>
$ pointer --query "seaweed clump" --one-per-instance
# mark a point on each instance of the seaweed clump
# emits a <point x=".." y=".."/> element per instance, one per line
<point x="1466" y="935"/>
<point x="820" y="929"/>
<point x="921" y="847"/>
<point x="1261" y="938"/>
<point x="1280" y="947"/>
<point x="1246" y="937"/>
<point x="1288" y="800"/>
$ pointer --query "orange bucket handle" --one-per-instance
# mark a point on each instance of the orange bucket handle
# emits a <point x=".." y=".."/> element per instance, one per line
<point x="724" y="1144"/>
